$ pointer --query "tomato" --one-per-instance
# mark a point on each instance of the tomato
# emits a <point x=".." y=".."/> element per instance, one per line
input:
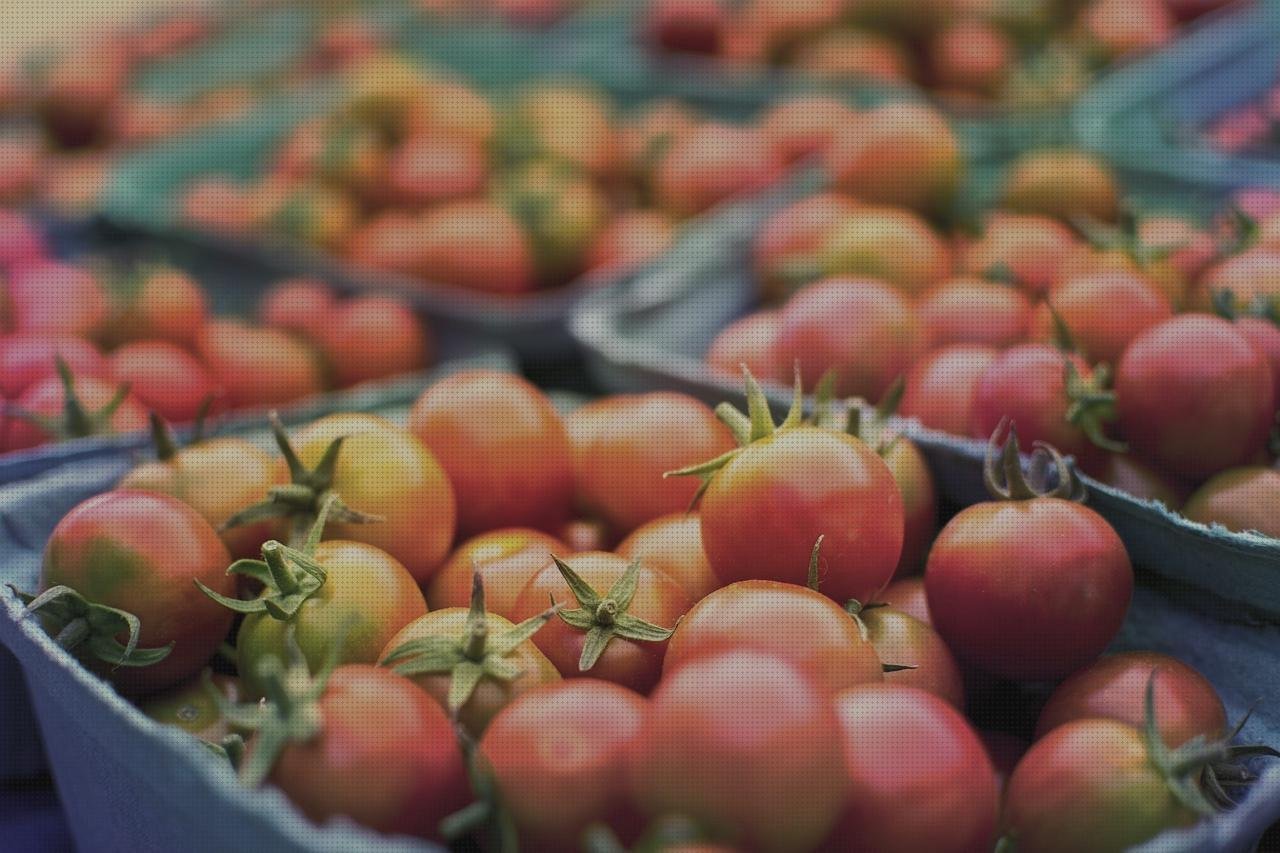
<point x="140" y="553"/>
<point x="1028" y="589"/>
<point x="387" y="472"/>
<point x="1062" y="184"/>
<point x="745" y="745"/>
<point x="452" y="108"/>
<point x="1136" y="478"/>
<point x="973" y="311"/>
<point x="628" y="661"/>
<point x="557" y="755"/>
<point x="426" y="169"/>
<point x="788" y="240"/>
<point x="373" y="337"/>
<point x="804" y="125"/>
<point x="504" y="448"/>
<point x="474" y="243"/>
<point x="163" y="304"/>
<point x="900" y="639"/>
<point x="889" y="244"/>
<point x="389" y="241"/>
<point x="688" y="26"/>
<point x="563" y="211"/>
<point x="258" y="366"/>
<point x="192" y="709"/>
<point x="630" y="241"/>
<point x="506" y="560"/>
<point x="1104" y="312"/>
<point x="79" y="88"/>
<point x="919" y="777"/>
<point x="491" y="693"/>
<point x="218" y="204"/>
<point x="1238" y="499"/>
<point x="164" y="378"/>
<point x="47" y="398"/>
<point x="217" y="478"/>
<point x="907" y="596"/>
<point x="21" y="161"/>
<point x="1005" y="752"/>
<point x="864" y="329"/>
<point x="1193" y="416"/>
<point x="622" y="446"/>
<point x="711" y="163"/>
<point x="942" y="386"/>
<point x="586" y="535"/>
<point x="57" y="297"/>
<point x="645" y="134"/>
<point x="1115" y="688"/>
<point x="384" y="755"/>
<point x="971" y="54"/>
<point x="21" y="241"/>
<point x="854" y="55"/>
<point x="1265" y="335"/>
<point x="1089" y="785"/>
<point x="1125" y="27"/>
<point x="747" y="340"/>
<point x="572" y="123"/>
<point x="27" y="357"/>
<point x="1030" y="249"/>
<point x="791" y="623"/>
<point x="1190" y="248"/>
<point x="672" y="544"/>
<point x="300" y="305"/>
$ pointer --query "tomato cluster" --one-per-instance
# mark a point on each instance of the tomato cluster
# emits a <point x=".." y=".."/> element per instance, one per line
<point x="746" y="674"/>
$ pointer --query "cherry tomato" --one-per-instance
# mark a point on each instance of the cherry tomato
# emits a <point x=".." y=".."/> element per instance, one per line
<point x="854" y="55"/>
<point x="1061" y="183"/>
<point x="943" y="385"/>
<point x="165" y="378"/>
<point x="1104" y="311"/>
<point x="907" y="596"/>
<point x="27" y="357"/>
<point x="58" y="297"/>
<point x="504" y="447"/>
<point x="748" y="341"/>
<point x="190" y="707"/>
<point x="506" y="561"/>
<point x="622" y="445"/>
<point x="585" y="535"/>
<point x="300" y="305"/>
<point x="630" y="241"/>
<point x="804" y="125"/>
<point x="795" y="234"/>
<point x="903" y="640"/>
<point x="632" y="663"/>
<point x="973" y="311"/>
<point x="672" y="544"/>
<point x="1238" y="499"/>
<point x="140" y="553"/>
<point x="471" y="243"/>
<point x="711" y="163"/>
<point x="905" y="746"/>
<point x="1029" y="249"/>
<point x="258" y="366"/>
<point x="47" y="397"/>
<point x="745" y="745"/>
<point x="1189" y="415"/>
<point x="1265" y="335"/>
<point x="556" y="754"/>
<point x="1135" y="477"/>
<point x="163" y="304"/>
<point x="688" y="26"/>
<point x="569" y="122"/>
<point x="373" y="337"/>
<point x="888" y="244"/>
<point x="915" y="484"/>
<point x="21" y="241"/>
<point x="792" y="623"/>
<point x="427" y="169"/>
<point x="1251" y="276"/>
<point x="972" y="55"/>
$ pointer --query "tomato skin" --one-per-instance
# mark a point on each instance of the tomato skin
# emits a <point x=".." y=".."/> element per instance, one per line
<point x="942" y="387"/>
<point x="1115" y="688"/>
<point x="58" y="297"/>
<point x="748" y="340"/>
<point x="168" y="306"/>
<point x="141" y="553"/>
<point x="973" y="311"/>
<point x="907" y="595"/>
<point x="633" y="664"/>
<point x="904" y="640"/>
<point x="386" y="757"/>
<point x="300" y="305"/>
<point x="1265" y="335"/>
<point x="1189" y="415"/>
<point x="804" y="125"/>
<point x="889" y="244"/>
<point x="1139" y="479"/>
<point x="864" y="329"/>
<point x="1104" y="311"/>
<point x="1028" y="590"/>
<point x="259" y="366"/>
<point x="386" y="471"/>
<point x="672" y="544"/>
<point x="373" y="337"/>
<point x="915" y="483"/>
<point x="165" y="378"/>
<point x="426" y="169"/>
<point x="504" y="447"/>
<point x="477" y="244"/>
<point x="630" y="241"/>
<point x="746" y="745"/>
<point x="797" y="231"/>
<point x="1239" y="499"/>
<point x="713" y="162"/>
<point x="506" y="561"/>
<point x="367" y="593"/>
<point x="905" y="746"/>
<point x="190" y="708"/>
<point x="47" y="397"/>
<point x="1032" y="248"/>
<point x="622" y="445"/>
<point x="28" y="357"/>
<point x="490" y="695"/>
<point x="558" y="759"/>
<point x="792" y="623"/>
<point x="1089" y="785"/>
<point x="764" y="511"/>
<point x="1061" y="184"/>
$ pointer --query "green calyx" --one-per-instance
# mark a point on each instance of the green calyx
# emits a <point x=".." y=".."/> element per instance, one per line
<point x="468" y="659"/>
<point x="1005" y="480"/>
<point x="75" y="421"/>
<point x="302" y="497"/>
<point x="1092" y="405"/>
<point x="89" y="628"/>
<point x="1227" y="305"/>
<point x="289" y="576"/>
<point x="606" y="617"/>
<point x="1124" y="237"/>
<point x="166" y="446"/>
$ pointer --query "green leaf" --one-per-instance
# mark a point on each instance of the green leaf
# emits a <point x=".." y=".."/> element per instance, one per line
<point x="265" y="511"/>
<point x="795" y="415"/>
<point x="322" y="476"/>
<point x="466" y="675"/>
<point x="317" y="529"/>
<point x="705" y="468"/>
<point x="594" y="645"/>
<point x="297" y="471"/>
<point x="587" y="597"/>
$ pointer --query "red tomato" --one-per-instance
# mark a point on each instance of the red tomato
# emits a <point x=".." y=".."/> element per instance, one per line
<point x="556" y="754"/>
<point x="1127" y="27"/>
<point x="1238" y="499"/>
<point x="373" y="337"/>
<point x="971" y="54"/>
<point x="904" y="746"/>
<point x="1190" y="414"/>
<point x="745" y="745"/>
<point x="748" y="340"/>
<point x="630" y="241"/>
<point x="672" y="544"/>
<point x="864" y="329"/>
<point x="47" y="398"/>
<point x="1136" y="478"/>
<point x="973" y="311"/>
<point x="140" y="553"/>
<point x="942" y="387"/>
<point x="504" y="447"/>
<point x="164" y="378"/>
<point x="423" y="170"/>
<point x="1104" y="311"/>
<point x="688" y="26"/>
<point x="634" y="664"/>
<point x="903" y="640"/>
<point x="915" y="483"/>
<point x="1061" y="183"/>
<point x="849" y="54"/>
<point x="164" y="304"/>
<point x="1005" y="752"/>
<point x="763" y="512"/>
<point x="21" y="241"/>
<point x="1115" y="688"/>
<point x="506" y="561"/>
<point x="622" y="445"/>
<point x="386" y="756"/>
<point x="1030" y="249"/>
<point x="711" y="163"/>
<point x="796" y="233"/>
<point x="473" y="243"/>
<point x="54" y="296"/>
<point x="888" y="244"/>
<point x="27" y="357"/>
<point x="259" y="366"/>
<point x="300" y="305"/>
<point x="1265" y="335"/>
<point x="908" y="596"/>
<point x="585" y="535"/>
<point x="803" y="125"/>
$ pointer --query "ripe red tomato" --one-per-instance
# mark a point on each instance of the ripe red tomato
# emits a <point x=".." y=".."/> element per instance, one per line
<point x="903" y="640"/>
<point x="794" y="234"/>
<point x="259" y="366"/>
<point x="140" y="553"/>
<point x="792" y="623"/>
<point x="919" y="777"/>
<point x="748" y="341"/>
<point x="688" y="26"/>
<point x="630" y="241"/>
<point x="1115" y="688"/>
<point x="385" y="756"/>
<point x="163" y="304"/>
<point x="974" y="311"/>
<point x="765" y="509"/>
<point x="504" y="447"/>
<point x="506" y="561"/>
<point x="472" y="243"/>
<point x="165" y="378"/>
<point x="747" y="746"/>
<point x="58" y="297"/>
<point x="622" y="445"/>
<point x="21" y="241"/>
<point x="713" y="162"/>
<point x="942" y="386"/>
<point x="556" y="754"/>
<point x="1104" y="311"/>
<point x="47" y="397"/>
<point x="1265" y="335"/>
<point x="373" y="337"/>
<point x="1029" y="249"/>
<point x="803" y="125"/>
<point x="1238" y="499"/>
<point x="851" y="54"/>
<point x="1189" y="414"/>
<point x="427" y="169"/>
<point x="27" y="357"/>
<point x="632" y="663"/>
<point x="1251" y="276"/>
<point x="915" y="484"/>
<point x="672" y="544"/>
<point x="300" y="305"/>
<point x="1137" y="478"/>
<point x="972" y="55"/>
<point x="908" y="596"/>
<point x="864" y="329"/>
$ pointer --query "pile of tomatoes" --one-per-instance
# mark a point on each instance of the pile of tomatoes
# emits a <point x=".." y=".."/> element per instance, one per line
<point x="1024" y="54"/>
<point x="90" y="348"/>
<point x="499" y="622"/>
